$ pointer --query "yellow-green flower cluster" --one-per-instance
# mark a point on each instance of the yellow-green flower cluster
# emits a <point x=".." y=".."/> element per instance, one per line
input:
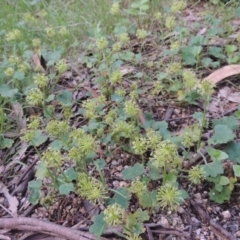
<point x="76" y="134"/>
<point x="186" y="139"/>
<point x="57" y="128"/>
<point x="29" y="18"/>
<point x="124" y="129"/>
<point x="52" y="158"/>
<point x="116" y="77"/>
<point x="90" y="108"/>
<point x="90" y="188"/>
<point x="157" y="16"/>
<point x="154" y="138"/>
<point x="14" y="59"/>
<point x="114" y="214"/>
<point x="170" y="22"/>
<point x="175" y="46"/>
<point x="115" y="8"/>
<point x="190" y="80"/>
<point x="138" y="187"/>
<point x="36" y="42"/>
<point x="35" y="97"/>
<point x="61" y="66"/>
<point x="206" y="88"/>
<point x="134" y="236"/>
<point x="141" y="34"/>
<point x="110" y="116"/>
<point x="157" y="88"/>
<point x="23" y="67"/>
<point x="121" y="91"/>
<point x="9" y="72"/>
<point x="40" y="80"/>
<point x="174" y="68"/>
<point x="169" y="196"/>
<point x="139" y="145"/>
<point x="34" y="122"/>
<point x="178" y="6"/>
<point x="50" y="32"/>
<point x="196" y="174"/>
<point x="131" y="109"/>
<point x="63" y="31"/>
<point x="124" y="38"/>
<point x="166" y="153"/>
<point x="102" y="43"/>
<point x="14" y="35"/>
<point x="116" y="47"/>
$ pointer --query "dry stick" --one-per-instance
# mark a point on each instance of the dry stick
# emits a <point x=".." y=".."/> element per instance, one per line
<point x="218" y="229"/>
<point x="53" y="229"/>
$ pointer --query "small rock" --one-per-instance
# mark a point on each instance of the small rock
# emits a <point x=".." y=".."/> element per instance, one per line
<point x="114" y="163"/>
<point x="123" y="184"/>
<point x="226" y="214"/>
<point x="237" y="234"/>
<point x="115" y="183"/>
<point x="198" y="197"/>
<point x="198" y="231"/>
<point x="164" y="222"/>
<point x="181" y="210"/>
<point x="194" y="220"/>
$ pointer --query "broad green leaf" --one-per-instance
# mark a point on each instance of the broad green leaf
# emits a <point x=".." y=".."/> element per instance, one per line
<point x="183" y="194"/>
<point x="117" y="98"/>
<point x="222" y="134"/>
<point x="71" y="174"/>
<point x="19" y="75"/>
<point x="224" y="180"/>
<point x="213" y="169"/>
<point x="66" y="188"/>
<point x="237" y="13"/>
<point x="6" y="91"/>
<point x="56" y="144"/>
<point x="147" y="199"/>
<point x="35" y="184"/>
<point x="188" y="56"/>
<point x="50" y="98"/>
<point x="230" y="122"/>
<point x="131" y="173"/>
<point x="236" y="169"/>
<point x="233" y="151"/>
<point x="101" y="163"/>
<point x="154" y="172"/>
<point x="35" y="195"/>
<point x="5" y="142"/>
<point x="39" y="138"/>
<point x="220" y="197"/>
<point x="216" y="154"/>
<point x="98" y="227"/>
<point x="121" y="197"/>
<point x="65" y="98"/>
<point x="41" y="171"/>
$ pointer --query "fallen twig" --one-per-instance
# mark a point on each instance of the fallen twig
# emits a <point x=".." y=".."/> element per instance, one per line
<point x="22" y="223"/>
<point x="218" y="229"/>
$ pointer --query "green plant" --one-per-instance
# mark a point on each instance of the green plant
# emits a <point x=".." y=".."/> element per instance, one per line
<point x="120" y="116"/>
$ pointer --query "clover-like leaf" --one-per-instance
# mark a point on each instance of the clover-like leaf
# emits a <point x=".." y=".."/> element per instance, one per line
<point x="121" y="197"/>
<point x="147" y="199"/>
<point x="222" y="134"/>
<point x="236" y="169"/>
<point x="213" y="169"/>
<point x="98" y="227"/>
<point x="131" y="173"/>
<point x="233" y="151"/>
<point x="217" y="154"/>
<point x="65" y="98"/>
<point x="66" y="188"/>
<point x="231" y="122"/>
<point x="6" y="91"/>
<point x="41" y="171"/>
<point x="224" y="181"/>
<point x="39" y="138"/>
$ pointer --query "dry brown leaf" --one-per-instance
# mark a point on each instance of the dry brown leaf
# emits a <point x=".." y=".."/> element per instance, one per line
<point x="234" y="97"/>
<point x="224" y="72"/>
<point x="39" y="61"/>
<point x="12" y="201"/>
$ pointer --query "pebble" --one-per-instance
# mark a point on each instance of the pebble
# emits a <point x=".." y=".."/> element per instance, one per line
<point x="226" y="214"/>
<point x="164" y="222"/>
<point x="114" y="163"/>
<point x="237" y="234"/>
<point x="198" y="197"/>
<point x="181" y="210"/>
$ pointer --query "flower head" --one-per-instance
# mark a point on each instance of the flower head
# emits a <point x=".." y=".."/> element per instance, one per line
<point x="35" y="97"/>
<point x="52" y="158"/>
<point x="113" y="214"/>
<point x="169" y="196"/>
<point x="115" y="8"/>
<point x="41" y="80"/>
<point x="196" y="174"/>
<point x="131" y="109"/>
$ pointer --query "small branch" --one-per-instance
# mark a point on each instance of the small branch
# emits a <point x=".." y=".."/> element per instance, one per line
<point x="53" y="229"/>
